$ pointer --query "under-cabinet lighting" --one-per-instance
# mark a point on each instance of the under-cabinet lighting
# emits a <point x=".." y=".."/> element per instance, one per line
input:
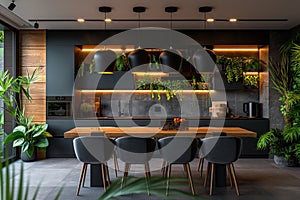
<point x="117" y="49"/>
<point x="150" y="74"/>
<point x="236" y="49"/>
<point x="210" y="20"/>
<point x="105" y="72"/>
<point x="145" y="91"/>
<point x="233" y="20"/>
<point x="250" y="73"/>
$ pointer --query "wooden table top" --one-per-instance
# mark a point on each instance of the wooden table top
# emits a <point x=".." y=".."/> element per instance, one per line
<point x="199" y="132"/>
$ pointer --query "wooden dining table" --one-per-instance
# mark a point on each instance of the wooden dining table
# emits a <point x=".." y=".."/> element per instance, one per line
<point x="157" y="132"/>
<point x="199" y="132"/>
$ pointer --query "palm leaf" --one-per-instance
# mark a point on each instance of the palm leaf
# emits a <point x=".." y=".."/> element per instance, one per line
<point x="141" y="186"/>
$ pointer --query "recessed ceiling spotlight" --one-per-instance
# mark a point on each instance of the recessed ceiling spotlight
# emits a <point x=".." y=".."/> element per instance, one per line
<point x="12" y="5"/>
<point x="81" y="20"/>
<point x="233" y="20"/>
<point x="107" y="20"/>
<point x="210" y="20"/>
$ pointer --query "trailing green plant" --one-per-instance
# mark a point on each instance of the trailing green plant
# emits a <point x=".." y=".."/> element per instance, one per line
<point x="235" y="66"/>
<point x="157" y="86"/>
<point x="122" y="62"/>
<point x="153" y="64"/>
<point x="152" y="185"/>
<point x="251" y="80"/>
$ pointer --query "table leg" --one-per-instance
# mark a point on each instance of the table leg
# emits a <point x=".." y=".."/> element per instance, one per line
<point x="220" y="175"/>
<point x="96" y="176"/>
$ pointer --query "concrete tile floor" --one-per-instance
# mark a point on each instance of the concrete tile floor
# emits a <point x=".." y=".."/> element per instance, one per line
<point x="257" y="178"/>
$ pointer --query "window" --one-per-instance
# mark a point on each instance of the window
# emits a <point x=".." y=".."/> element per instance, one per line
<point x="7" y="62"/>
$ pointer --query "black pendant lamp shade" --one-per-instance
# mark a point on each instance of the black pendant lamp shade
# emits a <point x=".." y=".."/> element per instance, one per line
<point x="171" y="59"/>
<point x="105" y="61"/>
<point x="204" y="60"/>
<point x="139" y="60"/>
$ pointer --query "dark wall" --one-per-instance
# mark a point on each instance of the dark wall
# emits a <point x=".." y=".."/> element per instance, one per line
<point x="60" y="50"/>
<point x="60" y="57"/>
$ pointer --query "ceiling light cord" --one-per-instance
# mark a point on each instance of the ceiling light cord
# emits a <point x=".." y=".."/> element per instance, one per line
<point x="139" y="31"/>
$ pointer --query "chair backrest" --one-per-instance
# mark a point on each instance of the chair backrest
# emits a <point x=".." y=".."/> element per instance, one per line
<point x="221" y="150"/>
<point x="135" y="150"/>
<point x="178" y="150"/>
<point x="93" y="149"/>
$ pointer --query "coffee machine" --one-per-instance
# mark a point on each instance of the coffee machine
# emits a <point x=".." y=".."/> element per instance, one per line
<point x="252" y="109"/>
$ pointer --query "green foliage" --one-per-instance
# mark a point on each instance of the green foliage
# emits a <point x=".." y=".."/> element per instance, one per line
<point x="251" y="80"/>
<point x="28" y="137"/>
<point x="122" y="62"/>
<point x="152" y="185"/>
<point x="285" y="76"/>
<point x="1" y="37"/>
<point x="277" y="143"/>
<point x="9" y="86"/>
<point x="171" y="87"/>
<point x="235" y="66"/>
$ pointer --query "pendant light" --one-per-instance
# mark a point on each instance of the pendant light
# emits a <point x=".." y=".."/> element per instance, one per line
<point x="105" y="59"/>
<point x="204" y="59"/>
<point x="171" y="59"/>
<point x="139" y="58"/>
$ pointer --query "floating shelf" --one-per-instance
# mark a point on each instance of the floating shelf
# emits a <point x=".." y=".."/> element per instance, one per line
<point x="146" y="91"/>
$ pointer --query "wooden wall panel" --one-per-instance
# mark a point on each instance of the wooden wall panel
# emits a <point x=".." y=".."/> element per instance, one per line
<point x="32" y="54"/>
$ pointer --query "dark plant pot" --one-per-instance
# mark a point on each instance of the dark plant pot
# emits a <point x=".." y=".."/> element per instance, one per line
<point x="26" y="158"/>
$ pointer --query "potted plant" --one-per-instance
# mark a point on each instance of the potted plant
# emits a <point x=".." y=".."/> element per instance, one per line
<point x="29" y="137"/>
<point x="286" y="79"/>
<point x="20" y="85"/>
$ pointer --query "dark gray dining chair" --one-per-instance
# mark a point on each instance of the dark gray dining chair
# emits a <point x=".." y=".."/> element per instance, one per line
<point x="221" y="150"/>
<point x="201" y="157"/>
<point x="134" y="150"/>
<point x="96" y="150"/>
<point x="171" y="149"/>
<point x="115" y="159"/>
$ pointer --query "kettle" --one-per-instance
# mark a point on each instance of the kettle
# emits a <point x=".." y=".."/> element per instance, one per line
<point x="252" y="109"/>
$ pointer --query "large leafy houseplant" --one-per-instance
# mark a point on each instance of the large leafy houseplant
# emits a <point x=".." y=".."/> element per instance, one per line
<point x="26" y="134"/>
<point x="28" y="137"/>
<point x="285" y="76"/>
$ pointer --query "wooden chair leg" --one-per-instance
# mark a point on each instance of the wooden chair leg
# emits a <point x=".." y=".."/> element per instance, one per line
<point x="190" y="178"/>
<point x="229" y="174"/>
<point x="103" y="176"/>
<point x="207" y="174"/>
<point x="234" y="179"/>
<point x="126" y="169"/>
<point x="168" y="179"/>
<point x="116" y="165"/>
<point x="107" y="174"/>
<point x="147" y="169"/>
<point x="211" y="178"/>
<point x="80" y="179"/>
<point x="84" y="175"/>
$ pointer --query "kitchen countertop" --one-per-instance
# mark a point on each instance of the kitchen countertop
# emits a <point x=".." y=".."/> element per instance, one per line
<point x="158" y="118"/>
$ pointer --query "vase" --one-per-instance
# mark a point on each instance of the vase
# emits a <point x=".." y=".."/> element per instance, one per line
<point x="26" y="158"/>
<point x="280" y="161"/>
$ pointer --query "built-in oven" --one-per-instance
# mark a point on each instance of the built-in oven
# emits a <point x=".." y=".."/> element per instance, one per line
<point x="59" y="107"/>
